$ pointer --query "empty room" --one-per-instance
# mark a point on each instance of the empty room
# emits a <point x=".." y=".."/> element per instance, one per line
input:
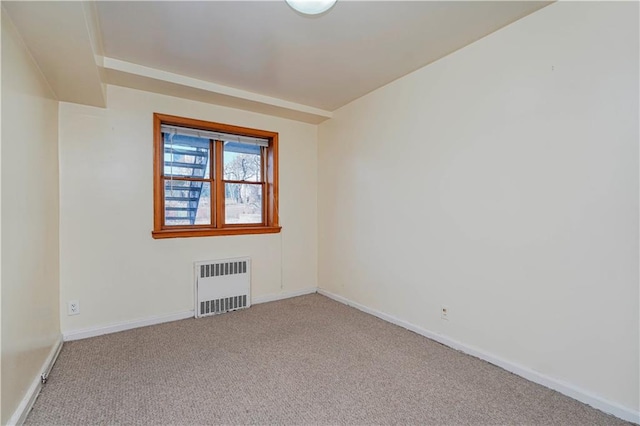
<point x="320" y="212"/>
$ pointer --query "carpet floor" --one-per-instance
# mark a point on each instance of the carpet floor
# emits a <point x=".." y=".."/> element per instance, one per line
<point x="305" y="360"/>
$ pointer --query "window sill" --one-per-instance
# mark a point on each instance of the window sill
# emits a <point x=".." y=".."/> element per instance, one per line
<point x="188" y="233"/>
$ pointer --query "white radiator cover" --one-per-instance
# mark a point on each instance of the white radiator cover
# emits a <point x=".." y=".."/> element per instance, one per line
<point x="222" y="285"/>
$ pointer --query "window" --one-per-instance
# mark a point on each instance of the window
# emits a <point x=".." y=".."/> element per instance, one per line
<point x="213" y="179"/>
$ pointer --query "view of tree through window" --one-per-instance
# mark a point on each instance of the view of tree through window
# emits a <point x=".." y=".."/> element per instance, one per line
<point x="243" y="201"/>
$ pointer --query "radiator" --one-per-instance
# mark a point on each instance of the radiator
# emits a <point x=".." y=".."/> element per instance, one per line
<point x="222" y="286"/>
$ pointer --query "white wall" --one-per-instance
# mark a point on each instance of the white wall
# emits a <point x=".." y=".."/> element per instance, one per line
<point x="30" y="325"/>
<point x="110" y="262"/>
<point x="501" y="181"/>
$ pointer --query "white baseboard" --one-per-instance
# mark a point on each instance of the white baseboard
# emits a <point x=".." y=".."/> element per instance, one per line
<point x="122" y="326"/>
<point x="22" y="411"/>
<point x="529" y="374"/>
<point x="128" y="325"/>
<point x="285" y="295"/>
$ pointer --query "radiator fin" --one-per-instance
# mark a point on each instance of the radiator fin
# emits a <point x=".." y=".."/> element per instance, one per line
<point x="225" y="304"/>
<point x="222" y="269"/>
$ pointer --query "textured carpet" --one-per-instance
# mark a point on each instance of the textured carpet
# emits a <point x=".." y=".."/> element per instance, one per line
<point x="306" y="360"/>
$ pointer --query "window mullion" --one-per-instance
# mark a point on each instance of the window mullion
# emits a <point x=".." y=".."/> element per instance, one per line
<point x="220" y="200"/>
<point x="212" y="177"/>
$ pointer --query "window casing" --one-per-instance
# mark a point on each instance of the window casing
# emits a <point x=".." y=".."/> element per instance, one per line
<point x="213" y="179"/>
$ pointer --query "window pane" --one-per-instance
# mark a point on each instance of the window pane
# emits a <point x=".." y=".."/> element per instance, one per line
<point x="186" y="156"/>
<point x="243" y="203"/>
<point x="187" y="202"/>
<point x="242" y="161"/>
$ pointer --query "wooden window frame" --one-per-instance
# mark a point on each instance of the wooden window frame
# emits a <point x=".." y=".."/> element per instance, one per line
<point x="270" y="223"/>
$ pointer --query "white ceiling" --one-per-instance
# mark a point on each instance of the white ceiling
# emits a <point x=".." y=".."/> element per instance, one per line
<point x="267" y="48"/>
<point x="256" y="55"/>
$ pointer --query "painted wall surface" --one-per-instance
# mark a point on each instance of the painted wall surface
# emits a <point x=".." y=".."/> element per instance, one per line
<point x="110" y="262"/>
<point x="502" y="182"/>
<point x="30" y="324"/>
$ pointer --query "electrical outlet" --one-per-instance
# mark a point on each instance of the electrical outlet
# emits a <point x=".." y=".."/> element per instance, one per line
<point x="73" y="307"/>
<point x="444" y="312"/>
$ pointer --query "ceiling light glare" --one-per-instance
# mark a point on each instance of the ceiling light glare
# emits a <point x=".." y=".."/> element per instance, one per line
<point x="311" y="7"/>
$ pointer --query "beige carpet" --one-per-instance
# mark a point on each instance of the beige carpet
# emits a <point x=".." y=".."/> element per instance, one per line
<point x="307" y="360"/>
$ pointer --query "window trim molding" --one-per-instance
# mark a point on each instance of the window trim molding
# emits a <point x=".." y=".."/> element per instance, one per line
<point x="271" y="199"/>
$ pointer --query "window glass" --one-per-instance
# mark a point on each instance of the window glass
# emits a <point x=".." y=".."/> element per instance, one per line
<point x="243" y="203"/>
<point x="186" y="156"/>
<point x="242" y="162"/>
<point x="187" y="202"/>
